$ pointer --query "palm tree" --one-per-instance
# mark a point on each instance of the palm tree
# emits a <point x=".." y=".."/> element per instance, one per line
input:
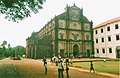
<point x="3" y="47"/>
<point x="4" y="43"/>
<point x="9" y="47"/>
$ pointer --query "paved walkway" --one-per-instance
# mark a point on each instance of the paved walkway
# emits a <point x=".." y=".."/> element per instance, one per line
<point x="29" y="68"/>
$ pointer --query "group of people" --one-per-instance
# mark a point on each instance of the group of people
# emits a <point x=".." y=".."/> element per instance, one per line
<point x="61" y="65"/>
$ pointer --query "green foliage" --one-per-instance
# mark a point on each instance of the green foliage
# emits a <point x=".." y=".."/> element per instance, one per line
<point x="19" y="50"/>
<point x="3" y="48"/>
<point x="11" y="51"/>
<point x="4" y="43"/>
<point x="15" y="10"/>
<point x="1" y="58"/>
<point x="16" y="58"/>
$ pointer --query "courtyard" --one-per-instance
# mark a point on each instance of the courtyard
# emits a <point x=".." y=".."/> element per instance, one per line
<point x="30" y="68"/>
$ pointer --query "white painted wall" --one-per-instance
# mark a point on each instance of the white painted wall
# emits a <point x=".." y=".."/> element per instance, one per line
<point x="107" y="44"/>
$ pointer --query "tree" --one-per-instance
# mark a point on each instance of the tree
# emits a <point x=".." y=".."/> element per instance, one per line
<point x="15" y="10"/>
<point x="9" y="46"/>
<point x="4" y="43"/>
<point x="3" y="47"/>
<point x="19" y="50"/>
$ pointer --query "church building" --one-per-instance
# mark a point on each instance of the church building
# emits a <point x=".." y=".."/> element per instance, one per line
<point x="69" y="34"/>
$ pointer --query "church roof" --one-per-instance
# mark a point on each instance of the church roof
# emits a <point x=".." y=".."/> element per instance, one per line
<point x="85" y="19"/>
<point x="64" y="15"/>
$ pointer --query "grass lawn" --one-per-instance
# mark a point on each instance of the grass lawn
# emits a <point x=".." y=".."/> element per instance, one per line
<point x="108" y="66"/>
<point x="8" y="71"/>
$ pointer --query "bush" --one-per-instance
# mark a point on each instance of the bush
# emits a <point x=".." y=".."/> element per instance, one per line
<point x="1" y="57"/>
<point x="16" y="58"/>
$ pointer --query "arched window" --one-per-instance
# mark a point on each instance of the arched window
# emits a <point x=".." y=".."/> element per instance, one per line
<point x="87" y="37"/>
<point x="61" y="35"/>
<point x="75" y="36"/>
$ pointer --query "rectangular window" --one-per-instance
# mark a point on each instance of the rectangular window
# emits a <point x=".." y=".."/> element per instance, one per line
<point x="116" y="26"/>
<point x="96" y="32"/>
<point x="96" y="40"/>
<point x="108" y="28"/>
<point x="109" y="38"/>
<point x="97" y="50"/>
<point x="102" y="30"/>
<point x="103" y="50"/>
<point x="117" y="37"/>
<point x="110" y="50"/>
<point x="102" y="39"/>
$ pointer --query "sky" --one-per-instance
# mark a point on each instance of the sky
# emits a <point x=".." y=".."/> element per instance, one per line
<point x="97" y="11"/>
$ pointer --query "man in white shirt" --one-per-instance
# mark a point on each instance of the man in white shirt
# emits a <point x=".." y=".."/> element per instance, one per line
<point x="60" y="69"/>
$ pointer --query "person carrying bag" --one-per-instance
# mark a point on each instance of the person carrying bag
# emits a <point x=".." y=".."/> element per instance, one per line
<point x="60" y="69"/>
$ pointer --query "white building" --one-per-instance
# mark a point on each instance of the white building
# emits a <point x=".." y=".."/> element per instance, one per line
<point x="107" y="39"/>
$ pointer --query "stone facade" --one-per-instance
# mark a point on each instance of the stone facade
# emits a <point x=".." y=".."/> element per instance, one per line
<point x="68" y="34"/>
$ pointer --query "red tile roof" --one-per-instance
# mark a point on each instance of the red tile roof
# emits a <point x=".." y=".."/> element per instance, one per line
<point x="107" y="22"/>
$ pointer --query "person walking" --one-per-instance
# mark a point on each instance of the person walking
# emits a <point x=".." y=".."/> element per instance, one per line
<point x="91" y="67"/>
<point x="44" y="60"/>
<point x="67" y="67"/>
<point x="45" y="67"/>
<point x="60" y="69"/>
<point x="45" y="64"/>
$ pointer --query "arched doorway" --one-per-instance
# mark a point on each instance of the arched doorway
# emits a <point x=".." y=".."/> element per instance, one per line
<point x="75" y="50"/>
<point x="62" y="53"/>
<point x="118" y="52"/>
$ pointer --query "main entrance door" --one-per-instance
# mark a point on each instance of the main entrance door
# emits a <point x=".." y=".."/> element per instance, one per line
<point x="118" y="52"/>
<point x="88" y="53"/>
<point x="75" y="51"/>
<point x="62" y="53"/>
